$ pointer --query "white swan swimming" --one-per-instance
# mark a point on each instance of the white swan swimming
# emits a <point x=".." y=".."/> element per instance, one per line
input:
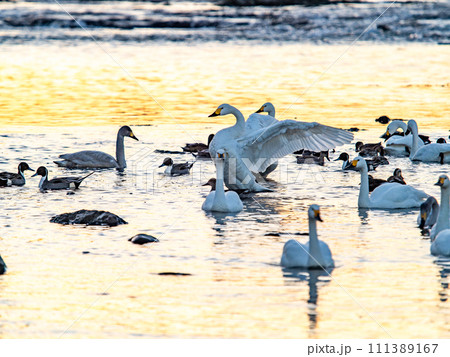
<point x="443" y="219"/>
<point x="249" y="153"/>
<point x="440" y="234"/>
<point x="428" y="214"/>
<point x="98" y="159"/>
<point x="219" y="200"/>
<point x="399" y="144"/>
<point x="386" y="196"/>
<point x="314" y="254"/>
<point x="427" y="153"/>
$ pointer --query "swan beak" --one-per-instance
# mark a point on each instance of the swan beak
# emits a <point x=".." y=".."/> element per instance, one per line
<point x="220" y="156"/>
<point x="133" y="136"/>
<point x="216" y="113"/>
<point x="423" y="218"/>
<point x="440" y="182"/>
<point x="351" y="165"/>
<point x="407" y="132"/>
<point x="260" y="109"/>
<point x="317" y="215"/>
<point x="385" y="136"/>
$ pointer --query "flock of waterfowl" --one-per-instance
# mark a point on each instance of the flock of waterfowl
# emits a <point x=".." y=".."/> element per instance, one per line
<point x="247" y="152"/>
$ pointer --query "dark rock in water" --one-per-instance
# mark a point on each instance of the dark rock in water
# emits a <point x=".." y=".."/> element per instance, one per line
<point x="89" y="218"/>
<point x="3" y="267"/>
<point x="85" y="252"/>
<point x="384" y="119"/>
<point x="174" y="274"/>
<point x="143" y="239"/>
<point x="353" y="129"/>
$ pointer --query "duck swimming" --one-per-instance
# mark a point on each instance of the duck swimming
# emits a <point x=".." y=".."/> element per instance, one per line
<point x="251" y="153"/>
<point x="313" y="158"/>
<point x="440" y="233"/>
<point x="90" y="159"/>
<point x="372" y="164"/>
<point x="219" y="200"/>
<point x="176" y="169"/>
<point x="196" y="147"/>
<point x="397" y="177"/>
<point x="386" y="196"/>
<point x="3" y="267"/>
<point x="58" y="183"/>
<point x="16" y="179"/>
<point x="314" y="254"/>
<point x="369" y="149"/>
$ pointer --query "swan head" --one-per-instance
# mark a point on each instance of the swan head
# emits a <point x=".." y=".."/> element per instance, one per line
<point x="314" y="213"/>
<point x="221" y="154"/>
<point x="41" y="171"/>
<point x="443" y="181"/>
<point x="266" y="107"/>
<point x="126" y="131"/>
<point x="357" y="164"/>
<point x="223" y="109"/>
<point x="167" y="162"/>
<point x="23" y="166"/>
<point x="343" y="156"/>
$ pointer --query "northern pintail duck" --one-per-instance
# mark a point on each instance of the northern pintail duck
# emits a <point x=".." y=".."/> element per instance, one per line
<point x="313" y="157"/>
<point x="369" y="149"/>
<point x="196" y="147"/>
<point x="58" y="183"/>
<point x="176" y="169"/>
<point x="13" y="178"/>
<point x="89" y="159"/>
<point x="212" y="182"/>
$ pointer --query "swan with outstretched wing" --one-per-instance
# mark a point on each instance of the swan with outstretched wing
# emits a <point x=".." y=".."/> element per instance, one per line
<point x="254" y="152"/>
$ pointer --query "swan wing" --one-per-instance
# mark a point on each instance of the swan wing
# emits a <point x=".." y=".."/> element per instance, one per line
<point x="294" y="254"/>
<point x="234" y="202"/>
<point x="441" y="245"/>
<point x="88" y="159"/>
<point x="284" y="137"/>
<point x="431" y="152"/>
<point x="395" y="195"/>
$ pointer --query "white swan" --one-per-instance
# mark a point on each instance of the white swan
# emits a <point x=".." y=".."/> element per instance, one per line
<point x="219" y="200"/>
<point x="98" y="159"/>
<point x="250" y="153"/>
<point x="429" y="211"/>
<point x="399" y="144"/>
<point x="314" y="254"/>
<point x="440" y="234"/>
<point x="258" y="121"/>
<point x="386" y="196"/>
<point x="427" y="153"/>
<point x="443" y="219"/>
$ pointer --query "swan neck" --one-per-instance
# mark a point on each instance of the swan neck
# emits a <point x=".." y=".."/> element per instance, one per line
<point x="271" y="112"/>
<point x="120" y="152"/>
<point x="415" y="141"/>
<point x="240" y="120"/>
<point x="443" y="217"/>
<point x="363" y="199"/>
<point x="219" y="197"/>
<point x="315" y="256"/>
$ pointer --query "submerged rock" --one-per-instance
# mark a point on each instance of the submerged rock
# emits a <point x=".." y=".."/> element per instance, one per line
<point x="3" y="267"/>
<point x="170" y="273"/>
<point x="143" y="239"/>
<point x="89" y="218"/>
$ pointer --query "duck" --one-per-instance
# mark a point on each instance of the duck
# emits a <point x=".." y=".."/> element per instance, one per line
<point x="384" y="119"/>
<point x="212" y="182"/>
<point x="443" y="218"/>
<point x="313" y="158"/>
<point x="89" y="218"/>
<point x="58" y="183"/>
<point x="219" y="200"/>
<point x="3" y="267"/>
<point x="369" y="149"/>
<point x="16" y="179"/>
<point x="428" y="153"/>
<point x="90" y="159"/>
<point x="371" y="163"/>
<point x="204" y="153"/>
<point x="429" y="211"/>
<point x="440" y="233"/>
<point x="397" y="177"/>
<point x="314" y="254"/>
<point x="196" y="147"/>
<point x="252" y="153"/>
<point x="375" y="182"/>
<point x="388" y="195"/>
<point x="441" y="141"/>
<point x="176" y="169"/>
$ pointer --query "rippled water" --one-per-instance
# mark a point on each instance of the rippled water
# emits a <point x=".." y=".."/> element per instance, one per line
<point x="63" y="99"/>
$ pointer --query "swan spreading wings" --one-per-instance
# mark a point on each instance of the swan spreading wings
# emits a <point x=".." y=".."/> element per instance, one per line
<point x="253" y="152"/>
